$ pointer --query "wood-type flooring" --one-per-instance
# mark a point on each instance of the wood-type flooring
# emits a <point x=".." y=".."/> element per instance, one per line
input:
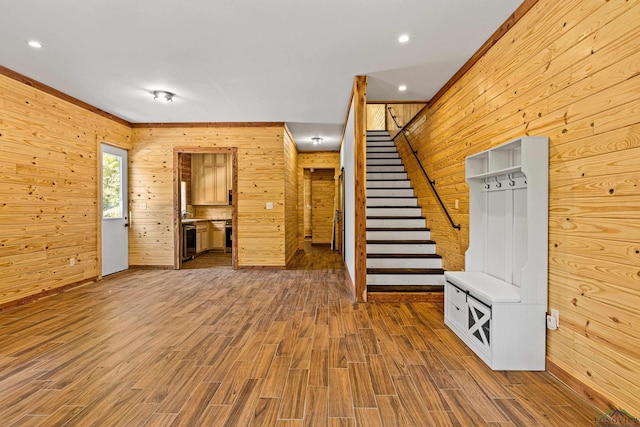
<point x="218" y="347"/>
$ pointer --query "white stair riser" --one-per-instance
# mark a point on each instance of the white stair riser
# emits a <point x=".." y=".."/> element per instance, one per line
<point x="385" y="168"/>
<point x="399" y="248"/>
<point x="404" y="263"/>
<point x="396" y="223"/>
<point x="382" y="156"/>
<point x="386" y="175"/>
<point x="389" y="184"/>
<point x="392" y="201"/>
<point x="373" y="211"/>
<point x="373" y="162"/>
<point x="405" y="279"/>
<point x="390" y="192"/>
<point x="398" y="235"/>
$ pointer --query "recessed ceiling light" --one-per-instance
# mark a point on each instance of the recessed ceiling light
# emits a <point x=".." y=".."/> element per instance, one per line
<point x="402" y="88"/>
<point x="404" y="38"/>
<point x="162" y="96"/>
<point x="35" y="44"/>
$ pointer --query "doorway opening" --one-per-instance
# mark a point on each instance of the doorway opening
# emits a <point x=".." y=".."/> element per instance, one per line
<point x="205" y="207"/>
<point x="320" y="206"/>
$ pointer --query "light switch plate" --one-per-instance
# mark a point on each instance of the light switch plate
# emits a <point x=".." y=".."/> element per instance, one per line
<point x="269" y="205"/>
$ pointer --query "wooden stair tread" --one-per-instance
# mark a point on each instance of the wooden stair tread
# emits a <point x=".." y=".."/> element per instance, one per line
<point x="404" y="256"/>
<point x="405" y="271"/>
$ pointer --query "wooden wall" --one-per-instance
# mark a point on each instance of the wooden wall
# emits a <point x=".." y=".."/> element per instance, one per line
<point x="307" y="203"/>
<point x="322" y="205"/>
<point x="261" y="171"/>
<point x="49" y="176"/>
<point x="569" y="70"/>
<point x="376" y="115"/>
<point x="307" y="160"/>
<point x="403" y="113"/>
<point x="290" y="195"/>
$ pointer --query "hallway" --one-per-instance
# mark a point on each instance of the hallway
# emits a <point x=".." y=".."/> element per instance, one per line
<point x="254" y="347"/>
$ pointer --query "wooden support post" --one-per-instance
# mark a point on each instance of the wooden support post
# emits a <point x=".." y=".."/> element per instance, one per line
<point x="360" y="148"/>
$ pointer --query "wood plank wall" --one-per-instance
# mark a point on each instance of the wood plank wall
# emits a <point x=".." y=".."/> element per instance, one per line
<point x="318" y="160"/>
<point x="376" y="115"/>
<point x="403" y="113"/>
<point x="261" y="172"/>
<point x="306" y="205"/>
<point x="290" y="195"/>
<point x="323" y="200"/>
<point x="49" y="210"/>
<point x="569" y="70"/>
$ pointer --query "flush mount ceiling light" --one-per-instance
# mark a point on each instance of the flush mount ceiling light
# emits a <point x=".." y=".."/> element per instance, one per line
<point x="402" y="88"/>
<point x="404" y="38"/>
<point x="35" y="44"/>
<point x="317" y="140"/>
<point x="162" y="96"/>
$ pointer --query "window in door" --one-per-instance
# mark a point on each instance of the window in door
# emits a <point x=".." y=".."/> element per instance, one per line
<point x="112" y="186"/>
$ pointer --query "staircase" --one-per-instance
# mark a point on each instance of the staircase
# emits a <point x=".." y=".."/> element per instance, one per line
<point x="402" y="263"/>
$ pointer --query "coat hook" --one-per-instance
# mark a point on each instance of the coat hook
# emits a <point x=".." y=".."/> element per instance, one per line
<point x="511" y="181"/>
<point x="486" y="184"/>
<point x="498" y="183"/>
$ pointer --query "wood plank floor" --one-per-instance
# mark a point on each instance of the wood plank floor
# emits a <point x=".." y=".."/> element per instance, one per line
<point x="218" y="347"/>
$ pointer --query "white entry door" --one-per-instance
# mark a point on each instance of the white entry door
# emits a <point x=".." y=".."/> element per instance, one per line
<point x="115" y="212"/>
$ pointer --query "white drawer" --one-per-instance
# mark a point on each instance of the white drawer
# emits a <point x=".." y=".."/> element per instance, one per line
<point x="457" y="315"/>
<point x="455" y="295"/>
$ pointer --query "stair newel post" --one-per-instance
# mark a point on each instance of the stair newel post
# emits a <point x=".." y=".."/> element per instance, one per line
<point x="360" y="129"/>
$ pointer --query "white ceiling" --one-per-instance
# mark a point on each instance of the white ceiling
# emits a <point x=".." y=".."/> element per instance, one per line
<point x="244" y="60"/>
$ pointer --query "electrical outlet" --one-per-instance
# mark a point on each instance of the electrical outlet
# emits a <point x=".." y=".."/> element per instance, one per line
<point x="556" y="315"/>
<point x="553" y="320"/>
<point x="456" y="204"/>
<point x="72" y="261"/>
<point x="269" y="205"/>
<point x="143" y="206"/>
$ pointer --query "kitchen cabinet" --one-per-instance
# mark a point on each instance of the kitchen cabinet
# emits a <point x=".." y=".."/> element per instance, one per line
<point x="209" y="176"/>
<point x="217" y="235"/>
<point x="202" y="236"/>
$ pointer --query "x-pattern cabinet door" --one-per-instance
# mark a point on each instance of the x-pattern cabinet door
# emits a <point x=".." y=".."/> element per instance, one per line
<point x="479" y="322"/>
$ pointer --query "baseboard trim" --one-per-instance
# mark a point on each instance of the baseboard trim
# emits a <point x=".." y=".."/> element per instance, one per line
<point x="151" y="267"/>
<point x="350" y="282"/>
<point x="595" y="398"/>
<point x="262" y="267"/>
<point x="434" y="297"/>
<point x="45" y="293"/>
